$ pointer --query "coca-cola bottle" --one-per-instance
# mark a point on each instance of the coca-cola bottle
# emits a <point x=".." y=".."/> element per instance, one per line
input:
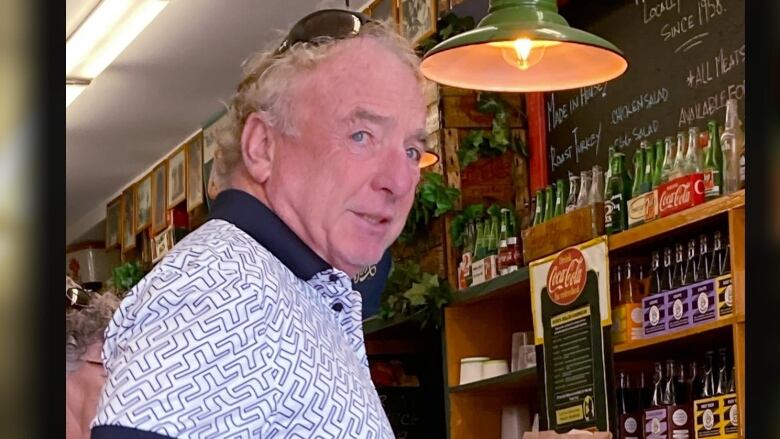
<point x="693" y="154"/>
<point x="571" y="200"/>
<point x="667" y="167"/>
<point x="678" y="278"/>
<point x="655" y="274"/>
<point x="596" y="194"/>
<point x="680" y="167"/>
<point x="733" y="143"/>
<point x="703" y="264"/>
<point x="689" y="272"/>
<point x="582" y="196"/>
<point x="667" y="272"/>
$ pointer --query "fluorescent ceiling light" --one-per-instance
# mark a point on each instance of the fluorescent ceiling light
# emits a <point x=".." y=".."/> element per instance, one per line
<point x="105" y="33"/>
<point x="72" y="91"/>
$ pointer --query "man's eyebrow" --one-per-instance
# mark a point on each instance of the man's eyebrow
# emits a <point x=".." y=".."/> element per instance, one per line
<point x="362" y="113"/>
<point x="420" y="136"/>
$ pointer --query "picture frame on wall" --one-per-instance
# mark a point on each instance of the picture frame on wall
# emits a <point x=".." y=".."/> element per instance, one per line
<point x="195" y="171"/>
<point x="128" y="220"/>
<point x="177" y="177"/>
<point x="159" y="198"/>
<point x="143" y="203"/>
<point x="417" y="19"/>
<point x="162" y="244"/>
<point x="114" y="223"/>
<point x="210" y="132"/>
<point x="386" y="10"/>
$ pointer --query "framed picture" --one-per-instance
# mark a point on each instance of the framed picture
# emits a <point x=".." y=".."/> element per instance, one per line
<point x="114" y="223"/>
<point x="383" y="10"/>
<point x="417" y="19"/>
<point x="162" y="244"/>
<point x="159" y="198"/>
<point x="177" y="170"/>
<point x="128" y="220"/>
<point x="143" y="203"/>
<point x="195" y="171"/>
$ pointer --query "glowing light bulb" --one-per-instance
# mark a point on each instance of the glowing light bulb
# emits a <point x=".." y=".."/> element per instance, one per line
<point x="523" y="53"/>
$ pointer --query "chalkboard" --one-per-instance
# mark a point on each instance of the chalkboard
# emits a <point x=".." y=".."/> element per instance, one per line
<point x="686" y="58"/>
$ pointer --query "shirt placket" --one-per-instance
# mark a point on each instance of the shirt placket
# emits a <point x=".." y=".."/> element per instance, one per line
<point x="336" y="288"/>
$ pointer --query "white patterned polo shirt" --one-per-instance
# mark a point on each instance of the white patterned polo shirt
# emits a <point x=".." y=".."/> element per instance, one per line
<point x="241" y="331"/>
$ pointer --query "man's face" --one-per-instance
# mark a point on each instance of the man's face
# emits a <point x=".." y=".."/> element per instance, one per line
<point x="346" y="183"/>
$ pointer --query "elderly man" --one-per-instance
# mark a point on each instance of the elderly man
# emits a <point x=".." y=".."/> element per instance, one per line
<point x="249" y="328"/>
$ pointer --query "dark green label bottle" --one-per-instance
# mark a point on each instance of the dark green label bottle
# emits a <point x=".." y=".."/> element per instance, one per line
<point x="560" y="197"/>
<point x="713" y="163"/>
<point x="639" y="170"/>
<point x="659" y="163"/>
<point x="616" y="196"/>
<point x="549" y="203"/>
<point x="539" y="210"/>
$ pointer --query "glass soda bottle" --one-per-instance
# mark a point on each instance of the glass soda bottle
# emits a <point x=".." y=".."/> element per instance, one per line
<point x="693" y="154"/>
<point x="680" y="164"/>
<point x="539" y="208"/>
<point x="667" y="168"/>
<point x="660" y="157"/>
<point x="582" y="196"/>
<point x="713" y="165"/>
<point x="639" y="170"/>
<point x="574" y="185"/>
<point x="616" y="196"/>
<point x="596" y="194"/>
<point x="649" y="172"/>
<point x="733" y="149"/>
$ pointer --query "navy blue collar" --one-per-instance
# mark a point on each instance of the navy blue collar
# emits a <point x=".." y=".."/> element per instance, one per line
<point x="253" y="217"/>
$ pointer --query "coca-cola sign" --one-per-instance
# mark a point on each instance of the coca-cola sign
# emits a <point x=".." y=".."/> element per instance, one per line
<point x="567" y="275"/>
<point x="680" y="193"/>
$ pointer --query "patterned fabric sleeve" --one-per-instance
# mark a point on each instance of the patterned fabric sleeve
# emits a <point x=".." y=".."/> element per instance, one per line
<point x="187" y="353"/>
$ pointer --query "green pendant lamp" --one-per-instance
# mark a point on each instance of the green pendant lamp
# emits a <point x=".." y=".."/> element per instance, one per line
<point x="523" y="46"/>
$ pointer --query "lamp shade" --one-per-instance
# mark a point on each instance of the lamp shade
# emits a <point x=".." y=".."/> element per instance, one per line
<point x="523" y="46"/>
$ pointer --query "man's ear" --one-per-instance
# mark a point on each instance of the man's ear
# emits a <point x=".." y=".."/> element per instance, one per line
<point x="257" y="147"/>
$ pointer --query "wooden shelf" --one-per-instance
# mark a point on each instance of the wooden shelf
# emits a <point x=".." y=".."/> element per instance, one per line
<point x="680" y="219"/>
<point x="519" y="380"/>
<point x="702" y="329"/>
<point x="503" y="285"/>
<point x="395" y="326"/>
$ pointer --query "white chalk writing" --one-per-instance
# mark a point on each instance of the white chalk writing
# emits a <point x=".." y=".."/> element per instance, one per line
<point x="641" y="102"/>
<point x="711" y="104"/>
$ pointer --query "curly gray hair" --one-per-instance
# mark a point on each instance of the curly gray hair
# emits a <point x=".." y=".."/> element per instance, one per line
<point x="265" y="87"/>
<point x="86" y="326"/>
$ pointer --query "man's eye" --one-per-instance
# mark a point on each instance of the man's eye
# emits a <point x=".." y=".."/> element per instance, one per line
<point x="360" y="136"/>
<point x="414" y="154"/>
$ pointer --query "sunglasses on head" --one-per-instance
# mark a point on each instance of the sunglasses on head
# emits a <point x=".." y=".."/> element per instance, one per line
<point x="77" y="298"/>
<point x="326" y="23"/>
<point x="335" y="24"/>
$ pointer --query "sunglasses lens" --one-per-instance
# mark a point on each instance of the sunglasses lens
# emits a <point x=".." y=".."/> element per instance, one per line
<point x="330" y="24"/>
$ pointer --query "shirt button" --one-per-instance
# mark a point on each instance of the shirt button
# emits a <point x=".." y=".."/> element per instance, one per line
<point x="338" y="306"/>
<point x="334" y="278"/>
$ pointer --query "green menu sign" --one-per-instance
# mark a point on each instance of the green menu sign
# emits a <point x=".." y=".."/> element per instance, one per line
<point x="570" y="300"/>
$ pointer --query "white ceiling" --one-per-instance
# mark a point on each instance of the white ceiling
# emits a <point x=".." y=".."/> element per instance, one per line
<point x="159" y="91"/>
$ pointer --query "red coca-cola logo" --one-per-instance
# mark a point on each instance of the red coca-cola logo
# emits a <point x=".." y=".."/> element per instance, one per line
<point x="681" y="193"/>
<point x="566" y="278"/>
